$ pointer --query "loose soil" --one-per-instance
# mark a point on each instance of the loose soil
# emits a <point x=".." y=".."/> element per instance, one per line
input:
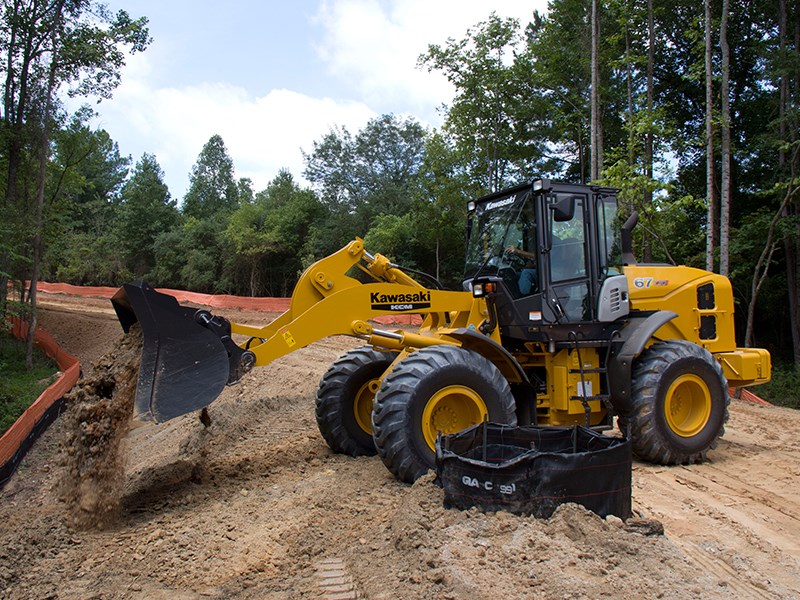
<point x="256" y="506"/>
<point x="97" y="422"/>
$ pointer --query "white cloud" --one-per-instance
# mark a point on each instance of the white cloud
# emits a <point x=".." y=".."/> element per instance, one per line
<point x="375" y="44"/>
<point x="262" y="134"/>
<point x="369" y="48"/>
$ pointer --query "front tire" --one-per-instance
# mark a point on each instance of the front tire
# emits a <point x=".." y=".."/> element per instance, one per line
<point x="680" y="403"/>
<point x="439" y="388"/>
<point x="344" y="400"/>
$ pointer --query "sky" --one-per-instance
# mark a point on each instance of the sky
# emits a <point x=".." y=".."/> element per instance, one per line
<point x="271" y="77"/>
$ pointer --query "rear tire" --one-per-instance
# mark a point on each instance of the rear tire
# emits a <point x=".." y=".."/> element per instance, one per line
<point x="680" y="403"/>
<point x="439" y="388"/>
<point x="344" y="400"/>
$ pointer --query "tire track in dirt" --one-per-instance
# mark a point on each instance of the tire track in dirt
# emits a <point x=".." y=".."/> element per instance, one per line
<point x="717" y="519"/>
<point x="735" y="487"/>
<point x="729" y="578"/>
<point x="334" y="581"/>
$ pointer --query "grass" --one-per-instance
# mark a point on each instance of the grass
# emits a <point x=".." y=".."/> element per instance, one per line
<point x="784" y="389"/>
<point x="18" y="386"/>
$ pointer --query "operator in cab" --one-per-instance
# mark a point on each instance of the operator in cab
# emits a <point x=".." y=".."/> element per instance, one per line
<point x="527" y="276"/>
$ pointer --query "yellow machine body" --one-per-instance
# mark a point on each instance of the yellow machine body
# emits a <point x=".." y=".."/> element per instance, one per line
<point x="703" y="302"/>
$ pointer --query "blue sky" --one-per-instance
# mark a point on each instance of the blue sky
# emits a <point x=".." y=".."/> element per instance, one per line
<point x="272" y="77"/>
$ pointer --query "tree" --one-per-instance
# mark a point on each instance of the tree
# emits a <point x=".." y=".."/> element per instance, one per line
<point x="48" y="45"/>
<point x="364" y="176"/>
<point x="213" y="191"/>
<point x="272" y="235"/>
<point x="725" y="187"/>
<point x="596" y="121"/>
<point x="86" y="174"/>
<point x="558" y="57"/>
<point x="484" y="118"/>
<point x="711" y="218"/>
<point x="147" y="211"/>
<point x="788" y="126"/>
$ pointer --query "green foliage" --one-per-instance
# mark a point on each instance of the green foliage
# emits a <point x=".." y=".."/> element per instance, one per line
<point x="90" y="260"/>
<point x="88" y="172"/>
<point x="270" y="235"/>
<point x="19" y="387"/>
<point x="520" y="111"/>
<point x="396" y="237"/>
<point x="46" y="47"/>
<point x="92" y="54"/>
<point x="202" y="255"/>
<point x="169" y="250"/>
<point x="488" y="119"/>
<point x="363" y="176"/>
<point x="146" y="211"/>
<point x="784" y="388"/>
<point x="213" y="191"/>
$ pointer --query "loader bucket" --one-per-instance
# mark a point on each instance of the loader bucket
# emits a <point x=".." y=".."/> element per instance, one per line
<point x="184" y="365"/>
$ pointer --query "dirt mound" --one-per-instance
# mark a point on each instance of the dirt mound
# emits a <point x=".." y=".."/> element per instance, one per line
<point x="97" y="422"/>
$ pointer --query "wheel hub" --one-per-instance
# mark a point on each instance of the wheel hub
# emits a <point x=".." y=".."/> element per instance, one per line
<point x="450" y="410"/>
<point x="362" y="404"/>
<point x="687" y="406"/>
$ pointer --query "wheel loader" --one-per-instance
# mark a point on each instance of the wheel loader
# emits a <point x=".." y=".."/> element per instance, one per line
<point x="556" y="324"/>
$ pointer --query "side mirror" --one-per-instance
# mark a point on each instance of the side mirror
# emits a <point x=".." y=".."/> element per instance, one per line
<point x="564" y="209"/>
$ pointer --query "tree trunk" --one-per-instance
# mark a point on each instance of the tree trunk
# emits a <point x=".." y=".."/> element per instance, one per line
<point x="630" y="124"/>
<point x="595" y="162"/>
<point x="648" y="138"/>
<point x="26" y="39"/>
<point x="725" y="186"/>
<point x="44" y="155"/>
<point x="791" y="249"/>
<point x="438" y="260"/>
<point x="762" y="266"/>
<point x="790" y="132"/>
<point x="710" y="196"/>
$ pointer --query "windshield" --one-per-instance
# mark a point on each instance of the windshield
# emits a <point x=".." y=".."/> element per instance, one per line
<point x="497" y="225"/>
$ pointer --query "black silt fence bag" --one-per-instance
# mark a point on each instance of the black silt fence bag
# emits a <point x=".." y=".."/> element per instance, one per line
<point x="533" y="470"/>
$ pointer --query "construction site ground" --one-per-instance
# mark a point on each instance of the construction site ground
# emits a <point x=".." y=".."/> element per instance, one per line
<point x="257" y="506"/>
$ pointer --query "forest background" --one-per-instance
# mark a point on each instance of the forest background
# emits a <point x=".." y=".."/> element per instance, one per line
<point x="690" y="109"/>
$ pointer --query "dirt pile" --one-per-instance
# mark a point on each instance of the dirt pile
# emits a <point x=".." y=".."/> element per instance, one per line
<point x="97" y="422"/>
<point x="448" y="553"/>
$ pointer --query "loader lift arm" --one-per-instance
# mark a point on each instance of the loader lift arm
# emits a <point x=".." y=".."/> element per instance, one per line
<point x="189" y="355"/>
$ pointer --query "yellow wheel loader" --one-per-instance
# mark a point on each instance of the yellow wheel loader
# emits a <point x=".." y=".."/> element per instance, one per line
<point x="556" y="325"/>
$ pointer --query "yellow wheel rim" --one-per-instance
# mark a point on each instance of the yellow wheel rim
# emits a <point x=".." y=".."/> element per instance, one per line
<point x="362" y="404"/>
<point x="451" y="409"/>
<point x="688" y="405"/>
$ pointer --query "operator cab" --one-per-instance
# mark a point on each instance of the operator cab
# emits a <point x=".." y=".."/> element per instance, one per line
<point x="547" y="255"/>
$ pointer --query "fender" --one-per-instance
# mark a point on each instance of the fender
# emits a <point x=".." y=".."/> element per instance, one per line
<point x="488" y="348"/>
<point x="632" y="340"/>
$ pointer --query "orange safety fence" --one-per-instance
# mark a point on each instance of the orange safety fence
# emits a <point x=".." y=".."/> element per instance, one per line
<point x="268" y="304"/>
<point x="21" y="435"/>
<point x="747" y="396"/>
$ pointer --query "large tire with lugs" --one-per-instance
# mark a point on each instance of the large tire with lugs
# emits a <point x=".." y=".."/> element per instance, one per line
<point x="344" y="400"/>
<point x="680" y="403"/>
<point x="436" y="389"/>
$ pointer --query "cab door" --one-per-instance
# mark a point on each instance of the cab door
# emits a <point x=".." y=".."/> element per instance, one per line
<point x="567" y="273"/>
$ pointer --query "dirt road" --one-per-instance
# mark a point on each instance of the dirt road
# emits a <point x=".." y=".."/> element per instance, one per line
<point x="257" y="507"/>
